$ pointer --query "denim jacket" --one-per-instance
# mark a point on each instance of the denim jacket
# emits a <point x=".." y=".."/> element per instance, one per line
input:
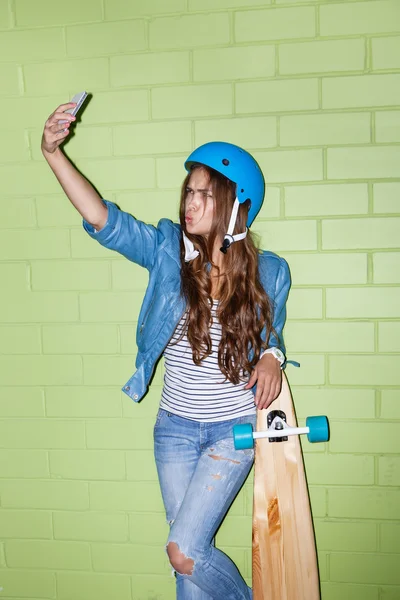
<point x="158" y="250"/>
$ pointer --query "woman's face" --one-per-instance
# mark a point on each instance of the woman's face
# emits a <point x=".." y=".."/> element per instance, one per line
<point x="199" y="203"/>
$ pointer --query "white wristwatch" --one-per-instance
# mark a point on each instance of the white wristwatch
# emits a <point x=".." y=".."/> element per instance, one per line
<point x="278" y="354"/>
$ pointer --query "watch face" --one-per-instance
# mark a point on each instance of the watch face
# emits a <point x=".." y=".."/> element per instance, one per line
<point x="279" y="354"/>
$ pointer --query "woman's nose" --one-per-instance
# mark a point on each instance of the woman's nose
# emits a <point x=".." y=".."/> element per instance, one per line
<point x="193" y="203"/>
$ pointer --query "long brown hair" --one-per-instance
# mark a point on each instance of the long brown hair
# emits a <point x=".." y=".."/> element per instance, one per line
<point x="244" y="308"/>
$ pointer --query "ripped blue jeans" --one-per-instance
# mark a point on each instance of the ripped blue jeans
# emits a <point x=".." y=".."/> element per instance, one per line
<point x="200" y="474"/>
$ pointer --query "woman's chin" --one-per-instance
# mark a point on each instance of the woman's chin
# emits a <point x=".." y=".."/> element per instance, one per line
<point x="192" y="229"/>
<point x="196" y="230"/>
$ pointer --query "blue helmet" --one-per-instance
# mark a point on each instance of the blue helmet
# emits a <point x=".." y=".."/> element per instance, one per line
<point x="238" y="166"/>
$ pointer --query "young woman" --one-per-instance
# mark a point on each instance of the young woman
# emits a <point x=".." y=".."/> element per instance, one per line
<point x="215" y="307"/>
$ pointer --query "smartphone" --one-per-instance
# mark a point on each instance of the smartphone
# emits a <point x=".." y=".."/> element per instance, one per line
<point x="78" y="99"/>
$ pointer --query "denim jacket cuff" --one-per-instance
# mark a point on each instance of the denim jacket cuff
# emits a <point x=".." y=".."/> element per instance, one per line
<point x="103" y="233"/>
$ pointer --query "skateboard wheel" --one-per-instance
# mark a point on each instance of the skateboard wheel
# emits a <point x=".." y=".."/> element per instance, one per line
<point x="243" y="436"/>
<point x="319" y="429"/>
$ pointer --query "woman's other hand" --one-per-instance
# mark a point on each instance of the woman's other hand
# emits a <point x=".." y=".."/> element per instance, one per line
<point x="267" y="375"/>
<point x="54" y="132"/>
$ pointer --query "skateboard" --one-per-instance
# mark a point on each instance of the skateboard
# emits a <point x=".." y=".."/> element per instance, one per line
<point x="284" y="554"/>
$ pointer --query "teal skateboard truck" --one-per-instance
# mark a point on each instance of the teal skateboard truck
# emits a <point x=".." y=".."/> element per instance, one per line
<point x="317" y="430"/>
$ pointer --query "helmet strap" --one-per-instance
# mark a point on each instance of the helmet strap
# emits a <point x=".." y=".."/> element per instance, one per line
<point x="190" y="252"/>
<point x="229" y="238"/>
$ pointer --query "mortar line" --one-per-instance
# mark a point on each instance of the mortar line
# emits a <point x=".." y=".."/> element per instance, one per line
<point x="231" y="28"/>
<point x="370" y="268"/>
<point x="147" y="34"/>
<point x="282" y="202"/>
<point x="368" y="55"/>
<point x="378" y="403"/>
<point x="372" y="127"/>
<point x="191" y="66"/>
<point x="12" y="13"/>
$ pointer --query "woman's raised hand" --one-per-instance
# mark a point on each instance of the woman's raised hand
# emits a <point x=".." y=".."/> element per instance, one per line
<point x="54" y="133"/>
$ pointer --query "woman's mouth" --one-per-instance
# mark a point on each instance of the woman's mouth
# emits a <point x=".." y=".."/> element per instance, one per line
<point x="188" y="219"/>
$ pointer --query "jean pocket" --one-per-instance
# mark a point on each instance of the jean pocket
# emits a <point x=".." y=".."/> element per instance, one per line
<point x="160" y="415"/>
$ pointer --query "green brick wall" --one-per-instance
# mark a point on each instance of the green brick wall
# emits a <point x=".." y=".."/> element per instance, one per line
<point x="312" y="88"/>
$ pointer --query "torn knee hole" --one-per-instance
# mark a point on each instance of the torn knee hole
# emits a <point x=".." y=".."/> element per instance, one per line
<point x="181" y="563"/>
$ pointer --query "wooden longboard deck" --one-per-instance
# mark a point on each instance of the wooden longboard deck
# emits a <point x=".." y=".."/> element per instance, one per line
<point x="284" y="554"/>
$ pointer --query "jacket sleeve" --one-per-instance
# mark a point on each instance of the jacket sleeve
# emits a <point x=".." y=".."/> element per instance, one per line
<point x="123" y="233"/>
<point x="282" y="287"/>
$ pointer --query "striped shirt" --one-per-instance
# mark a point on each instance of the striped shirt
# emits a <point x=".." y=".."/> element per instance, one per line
<point x="200" y="392"/>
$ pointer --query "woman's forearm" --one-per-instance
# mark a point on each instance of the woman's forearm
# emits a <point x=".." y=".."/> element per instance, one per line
<point x="80" y="192"/>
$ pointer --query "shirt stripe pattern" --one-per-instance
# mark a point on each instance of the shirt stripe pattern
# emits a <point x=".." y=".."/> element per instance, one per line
<point x="200" y="392"/>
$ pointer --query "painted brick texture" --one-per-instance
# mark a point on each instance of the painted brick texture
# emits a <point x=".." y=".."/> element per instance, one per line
<point x="312" y="88"/>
